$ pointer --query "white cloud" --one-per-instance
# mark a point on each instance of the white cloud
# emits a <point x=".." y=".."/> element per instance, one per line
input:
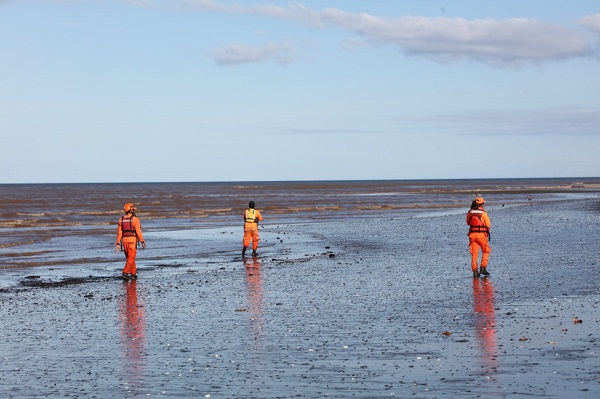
<point x="141" y="3"/>
<point x="592" y="22"/>
<point x="502" y="42"/>
<point x="563" y="121"/>
<point x="499" y="42"/>
<point x="242" y="53"/>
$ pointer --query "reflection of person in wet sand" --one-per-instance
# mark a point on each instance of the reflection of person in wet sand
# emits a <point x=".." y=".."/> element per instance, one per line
<point x="131" y="313"/>
<point x="254" y="290"/>
<point x="485" y="322"/>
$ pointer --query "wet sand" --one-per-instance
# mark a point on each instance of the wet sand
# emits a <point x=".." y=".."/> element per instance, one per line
<point x="374" y="308"/>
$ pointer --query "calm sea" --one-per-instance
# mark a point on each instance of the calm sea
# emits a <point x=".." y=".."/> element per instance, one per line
<point x="62" y="224"/>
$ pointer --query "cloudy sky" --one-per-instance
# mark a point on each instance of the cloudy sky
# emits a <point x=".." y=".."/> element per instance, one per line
<point x="215" y="90"/>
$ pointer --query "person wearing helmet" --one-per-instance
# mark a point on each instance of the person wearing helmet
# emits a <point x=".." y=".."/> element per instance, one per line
<point x="129" y="235"/>
<point x="251" y="218"/>
<point x="479" y="234"/>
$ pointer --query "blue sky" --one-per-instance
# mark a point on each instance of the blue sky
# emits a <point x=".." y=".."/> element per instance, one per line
<point x="206" y="90"/>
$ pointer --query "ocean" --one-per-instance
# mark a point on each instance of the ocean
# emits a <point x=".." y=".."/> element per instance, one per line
<point x="75" y="224"/>
<point x="361" y="289"/>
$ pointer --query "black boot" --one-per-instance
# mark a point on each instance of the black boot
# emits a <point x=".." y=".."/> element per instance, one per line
<point x="244" y="251"/>
<point x="484" y="272"/>
<point x="254" y="253"/>
<point x="475" y="273"/>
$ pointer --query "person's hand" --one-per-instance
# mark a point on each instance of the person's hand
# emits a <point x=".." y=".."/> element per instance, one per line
<point x="143" y="245"/>
<point x="117" y="247"/>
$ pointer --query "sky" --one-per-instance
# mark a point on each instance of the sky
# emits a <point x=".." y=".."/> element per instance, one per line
<point x="216" y="90"/>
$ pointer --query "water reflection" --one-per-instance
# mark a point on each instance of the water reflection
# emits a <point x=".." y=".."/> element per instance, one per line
<point x="254" y="292"/>
<point x="131" y="313"/>
<point x="485" y="323"/>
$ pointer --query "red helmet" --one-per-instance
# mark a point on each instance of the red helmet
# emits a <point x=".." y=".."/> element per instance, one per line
<point x="129" y="207"/>
<point x="479" y="201"/>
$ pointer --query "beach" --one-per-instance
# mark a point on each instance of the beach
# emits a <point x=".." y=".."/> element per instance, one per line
<point x="378" y="306"/>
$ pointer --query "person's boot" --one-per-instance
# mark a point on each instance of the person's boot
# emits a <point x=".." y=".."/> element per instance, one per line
<point x="475" y="273"/>
<point x="484" y="272"/>
<point x="244" y="251"/>
<point x="254" y="253"/>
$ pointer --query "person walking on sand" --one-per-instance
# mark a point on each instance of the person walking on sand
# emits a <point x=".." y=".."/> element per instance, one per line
<point x="479" y="234"/>
<point x="251" y="218"/>
<point x="129" y="234"/>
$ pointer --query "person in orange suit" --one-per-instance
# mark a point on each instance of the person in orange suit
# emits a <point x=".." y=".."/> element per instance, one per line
<point x="251" y="218"/>
<point x="479" y="234"/>
<point x="129" y="234"/>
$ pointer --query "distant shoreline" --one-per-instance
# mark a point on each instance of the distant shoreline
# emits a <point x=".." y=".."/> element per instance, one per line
<point x="574" y="179"/>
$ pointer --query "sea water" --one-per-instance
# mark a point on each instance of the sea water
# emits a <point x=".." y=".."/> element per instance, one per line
<point x="73" y="226"/>
<point x="361" y="289"/>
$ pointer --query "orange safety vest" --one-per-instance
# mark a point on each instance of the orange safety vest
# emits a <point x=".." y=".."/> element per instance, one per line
<point x="127" y="226"/>
<point x="250" y="216"/>
<point x="476" y="223"/>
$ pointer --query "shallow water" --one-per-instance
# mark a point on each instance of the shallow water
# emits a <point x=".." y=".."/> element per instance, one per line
<point x="374" y="307"/>
<point x="75" y="224"/>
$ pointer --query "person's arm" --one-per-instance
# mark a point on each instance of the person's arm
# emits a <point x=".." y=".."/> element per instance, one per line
<point x="119" y="235"/>
<point x="137" y="225"/>
<point x="486" y="220"/>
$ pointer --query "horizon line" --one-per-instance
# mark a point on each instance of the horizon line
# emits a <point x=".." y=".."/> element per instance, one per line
<point x="305" y="181"/>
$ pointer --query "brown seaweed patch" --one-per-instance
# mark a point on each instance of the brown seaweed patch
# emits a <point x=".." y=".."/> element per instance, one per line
<point x="315" y="208"/>
<point x="35" y="283"/>
<point x="59" y="262"/>
<point x="19" y="254"/>
<point x="39" y="223"/>
<point x="301" y="260"/>
<point x="389" y="207"/>
<point x="14" y="244"/>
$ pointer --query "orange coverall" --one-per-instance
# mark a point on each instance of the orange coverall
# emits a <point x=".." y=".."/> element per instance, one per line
<point x="479" y="240"/>
<point x="251" y="230"/>
<point x="130" y="243"/>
